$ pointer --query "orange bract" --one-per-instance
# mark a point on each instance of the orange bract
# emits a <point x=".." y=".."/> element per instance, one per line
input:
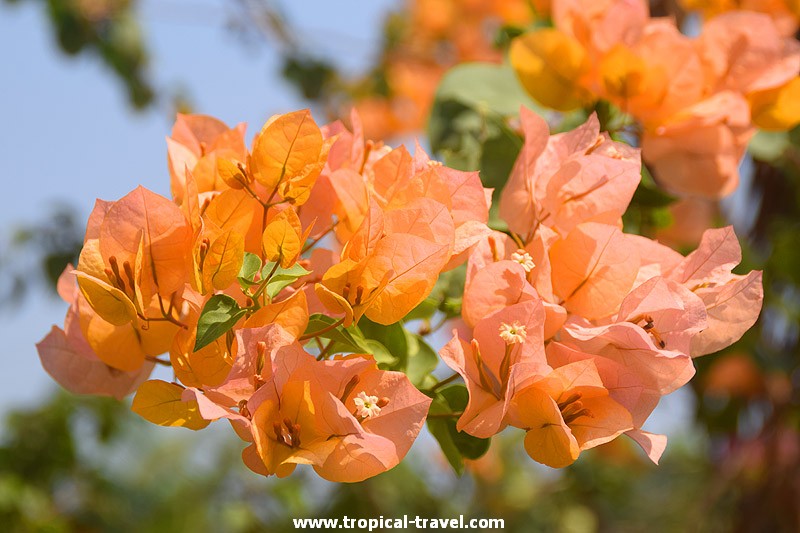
<point x="288" y="155"/>
<point x="692" y="97"/>
<point x="165" y="235"/>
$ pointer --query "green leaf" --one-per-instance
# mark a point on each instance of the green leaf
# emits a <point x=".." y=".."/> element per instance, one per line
<point x="421" y="359"/>
<point x="393" y="337"/>
<point x="250" y="265"/>
<point x="456" y="445"/>
<point x="769" y="145"/>
<point x="448" y="290"/>
<point x="497" y="159"/>
<point x="425" y="310"/>
<point x="407" y="351"/>
<point x="468" y="122"/>
<point x="219" y="315"/>
<point x="505" y="34"/>
<point x="318" y="322"/>
<point x="382" y="355"/>
<point x="485" y="86"/>
<point x="440" y="428"/>
<point x="345" y="339"/>
<point x="649" y="195"/>
<point x="350" y="340"/>
<point x="282" y="277"/>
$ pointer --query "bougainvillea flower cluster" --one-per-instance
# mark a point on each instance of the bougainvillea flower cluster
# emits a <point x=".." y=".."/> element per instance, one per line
<point x="696" y="101"/>
<point x="579" y="328"/>
<point x="266" y="275"/>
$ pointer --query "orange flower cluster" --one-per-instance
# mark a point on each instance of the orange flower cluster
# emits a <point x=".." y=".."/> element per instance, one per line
<point x="225" y="276"/>
<point x="578" y="329"/>
<point x="264" y="253"/>
<point x="785" y="13"/>
<point x="697" y="100"/>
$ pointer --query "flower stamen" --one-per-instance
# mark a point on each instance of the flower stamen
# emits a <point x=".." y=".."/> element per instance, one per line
<point x="523" y="258"/>
<point x="367" y="406"/>
<point x="513" y="333"/>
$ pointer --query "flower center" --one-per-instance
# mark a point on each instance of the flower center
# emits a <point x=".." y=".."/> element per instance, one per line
<point x="650" y="327"/>
<point x="523" y="258"/>
<point x="513" y="333"/>
<point x="572" y="408"/>
<point x="287" y="433"/>
<point x="368" y="406"/>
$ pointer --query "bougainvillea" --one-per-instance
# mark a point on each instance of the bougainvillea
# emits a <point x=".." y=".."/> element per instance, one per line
<point x="693" y="103"/>
<point x="283" y="281"/>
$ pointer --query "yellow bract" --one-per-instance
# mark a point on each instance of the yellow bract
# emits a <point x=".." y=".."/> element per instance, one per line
<point x="207" y="367"/>
<point x="291" y="314"/>
<point x="91" y="261"/>
<point x="231" y="174"/>
<point x="231" y="210"/>
<point x="548" y="441"/>
<point x="160" y="402"/>
<point x="282" y="240"/>
<point x="223" y="261"/>
<point x="335" y="303"/>
<point x="110" y="303"/>
<point x="778" y="108"/>
<point x="549" y="64"/>
<point x="289" y="154"/>
<point x="622" y="73"/>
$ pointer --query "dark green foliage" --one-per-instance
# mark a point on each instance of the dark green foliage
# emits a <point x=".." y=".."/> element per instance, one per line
<point x="310" y="75"/>
<point x="38" y="251"/>
<point x="111" y="33"/>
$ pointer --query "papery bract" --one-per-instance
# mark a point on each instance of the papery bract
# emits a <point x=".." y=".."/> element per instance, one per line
<point x="661" y="371"/>
<point x="593" y="268"/>
<point x="733" y="302"/>
<point x="549" y="64"/>
<point x="707" y="140"/>
<point x="487" y="362"/>
<point x="386" y="432"/>
<point x="165" y="234"/>
<point x="162" y="403"/>
<point x="565" y="412"/>
<point x="289" y="154"/>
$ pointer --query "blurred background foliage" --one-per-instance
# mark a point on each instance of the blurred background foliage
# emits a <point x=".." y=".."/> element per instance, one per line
<point x="108" y="30"/>
<point x="87" y="464"/>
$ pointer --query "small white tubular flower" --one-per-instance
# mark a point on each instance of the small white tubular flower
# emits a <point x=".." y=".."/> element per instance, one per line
<point x="513" y="333"/>
<point x="366" y="406"/>
<point x="523" y="258"/>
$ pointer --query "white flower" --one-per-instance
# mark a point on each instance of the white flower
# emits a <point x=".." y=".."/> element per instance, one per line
<point x="513" y="333"/>
<point x="366" y="406"/>
<point x="523" y="258"/>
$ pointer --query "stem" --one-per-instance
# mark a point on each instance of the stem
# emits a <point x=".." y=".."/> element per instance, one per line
<point x="517" y="240"/>
<point x="263" y="227"/>
<point x="158" y="361"/>
<point x="310" y="245"/>
<point x="323" y="330"/>
<point x="167" y="316"/>
<point x="252" y="193"/>
<point x="274" y="191"/>
<point x="324" y="353"/>
<point x="439" y="325"/>
<point x="264" y="283"/>
<point x="444" y="382"/>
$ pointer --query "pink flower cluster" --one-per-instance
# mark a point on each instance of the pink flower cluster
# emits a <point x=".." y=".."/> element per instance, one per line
<point x="573" y="329"/>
